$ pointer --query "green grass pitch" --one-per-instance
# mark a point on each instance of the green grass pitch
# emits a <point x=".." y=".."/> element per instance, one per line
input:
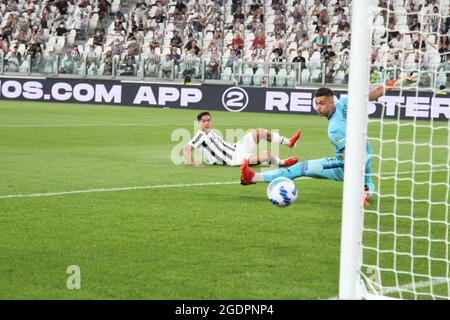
<point x="185" y="242"/>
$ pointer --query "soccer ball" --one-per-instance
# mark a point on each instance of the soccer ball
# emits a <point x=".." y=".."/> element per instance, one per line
<point x="282" y="192"/>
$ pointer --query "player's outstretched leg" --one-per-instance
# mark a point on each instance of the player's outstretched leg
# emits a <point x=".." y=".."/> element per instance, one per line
<point x="268" y="157"/>
<point x="326" y="168"/>
<point x="248" y="176"/>
<point x="263" y="134"/>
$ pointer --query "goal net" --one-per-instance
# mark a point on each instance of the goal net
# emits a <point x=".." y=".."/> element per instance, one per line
<point x="404" y="252"/>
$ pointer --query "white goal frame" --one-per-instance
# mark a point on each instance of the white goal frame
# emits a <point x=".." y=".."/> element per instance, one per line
<point x="350" y="283"/>
<point x="353" y="283"/>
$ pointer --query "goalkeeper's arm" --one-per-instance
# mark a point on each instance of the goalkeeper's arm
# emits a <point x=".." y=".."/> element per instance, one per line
<point x="397" y="83"/>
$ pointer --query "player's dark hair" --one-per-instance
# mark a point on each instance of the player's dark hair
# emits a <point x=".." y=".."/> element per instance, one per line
<point x="201" y="114"/>
<point x="324" y="92"/>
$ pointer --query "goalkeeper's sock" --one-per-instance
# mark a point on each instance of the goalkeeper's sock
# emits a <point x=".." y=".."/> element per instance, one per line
<point x="326" y="168"/>
<point x="258" y="177"/>
<point x="370" y="187"/>
<point x="292" y="172"/>
<point x="268" y="176"/>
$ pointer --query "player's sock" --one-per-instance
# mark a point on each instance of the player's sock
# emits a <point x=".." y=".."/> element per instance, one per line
<point x="370" y="188"/>
<point x="283" y="163"/>
<point x="279" y="139"/>
<point x="366" y="196"/>
<point x="274" y="161"/>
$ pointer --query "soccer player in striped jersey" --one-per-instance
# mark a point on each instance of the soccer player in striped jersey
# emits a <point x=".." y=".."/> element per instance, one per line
<point x="328" y="168"/>
<point x="220" y="152"/>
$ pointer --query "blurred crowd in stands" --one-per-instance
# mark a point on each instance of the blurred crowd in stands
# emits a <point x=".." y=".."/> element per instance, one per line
<point x="259" y="42"/>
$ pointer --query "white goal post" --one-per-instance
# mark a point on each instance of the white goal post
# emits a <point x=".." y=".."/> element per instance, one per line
<point x="398" y="246"/>
<point x="352" y="211"/>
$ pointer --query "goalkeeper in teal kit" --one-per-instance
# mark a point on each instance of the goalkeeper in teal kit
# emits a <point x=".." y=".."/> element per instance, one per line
<point x="327" y="168"/>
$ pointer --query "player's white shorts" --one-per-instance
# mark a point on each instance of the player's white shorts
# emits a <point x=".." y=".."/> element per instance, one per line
<point x="244" y="149"/>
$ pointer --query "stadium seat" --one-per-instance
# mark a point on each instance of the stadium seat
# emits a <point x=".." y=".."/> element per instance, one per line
<point x="51" y="40"/>
<point x="305" y="54"/>
<point x="247" y="76"/>
<point x="101" y="69"/>
<point x="49" y="64"/>
<point x="93" y="21"/>
<point x="81" y="70"/>
<point x="281" y="78"/>
<point x="269" y="28"/>
<point x="292" y="46"/>
<point x="441" y="79"/>
<point x="228" y="37"/>
<point x="339" y="77"/>
<point x="59" y="45"/>
<point x="226" y="74"/>
<point x="291" y="78"/>
<point x="316" y="75"/>
<point x="23" y="68"/>
<point x="315" y="60"/>
<point x="71" y="37"/>
<point x="259" y="74"/>
<point x="272" y="75"/>
<point x="305" y="76"/>
<point x="92" y="70"/>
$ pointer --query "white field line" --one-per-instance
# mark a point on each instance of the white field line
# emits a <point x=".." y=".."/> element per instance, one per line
<point x="417" y="285"/>
<point x="409" y="287"/>
<point x="409" y="172"/>
<point x="79" y="125"/>
<point x="161" y="186"/>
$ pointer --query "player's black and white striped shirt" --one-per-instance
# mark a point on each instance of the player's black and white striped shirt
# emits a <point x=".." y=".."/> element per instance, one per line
<point x="215" y="149"/>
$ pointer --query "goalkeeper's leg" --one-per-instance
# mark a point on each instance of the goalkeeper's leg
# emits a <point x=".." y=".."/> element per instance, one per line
<point x="326" y="168"/>
<point x="268" y="157"/>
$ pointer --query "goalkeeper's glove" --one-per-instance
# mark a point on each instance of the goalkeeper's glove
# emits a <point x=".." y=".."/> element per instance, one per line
<point x="401" y="82"/>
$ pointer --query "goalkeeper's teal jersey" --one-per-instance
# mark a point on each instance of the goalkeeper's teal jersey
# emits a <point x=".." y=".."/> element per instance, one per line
<point x="337" y="128"/>
<point x="328" y="168"/>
